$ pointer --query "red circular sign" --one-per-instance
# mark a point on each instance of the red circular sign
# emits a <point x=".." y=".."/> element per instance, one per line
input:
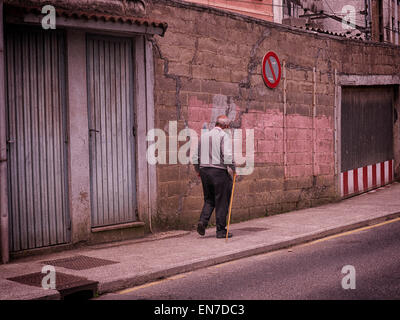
<point x="271" y="69"/>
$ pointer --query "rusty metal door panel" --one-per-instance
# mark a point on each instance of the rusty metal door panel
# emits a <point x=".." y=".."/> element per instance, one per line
<point x="366" y="126"/>
<point x="111" y="130"/>
<point x="35" y="69"/>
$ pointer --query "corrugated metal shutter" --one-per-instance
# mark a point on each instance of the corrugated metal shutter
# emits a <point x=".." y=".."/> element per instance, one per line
<point x="35" y="69"/>
<point x="111" y="130"/>
<point x="367" y="126"/>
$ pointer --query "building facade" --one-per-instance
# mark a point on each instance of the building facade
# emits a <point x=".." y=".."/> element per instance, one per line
<point x="80" y="102"/>
<point x="367" y="19"/>
<point x="385" y="20"/>
<point x="376" y="20"/>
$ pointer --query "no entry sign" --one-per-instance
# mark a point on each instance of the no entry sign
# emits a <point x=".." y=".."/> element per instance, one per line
<point x="271" y="69"/>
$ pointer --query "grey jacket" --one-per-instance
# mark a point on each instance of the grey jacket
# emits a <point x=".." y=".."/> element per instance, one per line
<point x="214" y="150"/>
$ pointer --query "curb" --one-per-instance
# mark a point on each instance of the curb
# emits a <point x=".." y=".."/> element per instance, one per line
<point x="116" y="285"/>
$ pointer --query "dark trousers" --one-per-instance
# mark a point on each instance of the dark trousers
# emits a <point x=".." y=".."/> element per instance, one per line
<point x="217" y="189"/>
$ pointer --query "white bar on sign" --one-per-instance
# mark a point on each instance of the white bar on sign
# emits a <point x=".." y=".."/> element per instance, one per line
<point x="369" y="178"/>
<point x="386" y="172"/>
<point x="378" y="174"/>
<point x="360" y="179"/>
<point x="351" y="181"/>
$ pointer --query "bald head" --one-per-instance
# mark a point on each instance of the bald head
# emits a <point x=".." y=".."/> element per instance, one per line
<point x="222" y="121"/>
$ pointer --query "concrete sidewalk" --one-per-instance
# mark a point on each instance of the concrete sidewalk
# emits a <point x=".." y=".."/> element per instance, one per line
<point x="163" y="255"/>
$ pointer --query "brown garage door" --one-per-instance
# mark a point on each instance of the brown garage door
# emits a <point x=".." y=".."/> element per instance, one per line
<point x="366" y="138"/>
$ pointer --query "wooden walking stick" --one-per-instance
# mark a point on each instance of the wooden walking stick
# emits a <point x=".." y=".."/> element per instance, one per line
<point x="230" y="205"/>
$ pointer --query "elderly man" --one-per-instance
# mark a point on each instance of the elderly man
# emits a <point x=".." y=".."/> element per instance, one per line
<point x="211" y="161"/>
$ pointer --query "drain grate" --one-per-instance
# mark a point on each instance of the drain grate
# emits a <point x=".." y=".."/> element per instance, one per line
<point x="66" y="284"/>
<point x="79" y="262"/>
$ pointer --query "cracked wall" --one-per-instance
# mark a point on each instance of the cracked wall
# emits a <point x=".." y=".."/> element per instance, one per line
<point x="209" y="63"/>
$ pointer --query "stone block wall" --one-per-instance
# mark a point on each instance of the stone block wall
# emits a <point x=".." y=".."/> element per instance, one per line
<point x="209" y="62"/>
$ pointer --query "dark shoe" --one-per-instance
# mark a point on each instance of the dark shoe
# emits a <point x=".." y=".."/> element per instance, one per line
<point x="222" y="235"/>
<point x="201" y="230"/>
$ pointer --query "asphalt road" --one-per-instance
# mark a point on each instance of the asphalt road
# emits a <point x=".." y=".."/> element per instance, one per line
<point x="310" y="271"/>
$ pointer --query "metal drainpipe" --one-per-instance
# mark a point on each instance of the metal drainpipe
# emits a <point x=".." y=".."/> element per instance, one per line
<point x="3" y="153"/>
<point x="314" y="114"/>
<point x="284" y="120"/>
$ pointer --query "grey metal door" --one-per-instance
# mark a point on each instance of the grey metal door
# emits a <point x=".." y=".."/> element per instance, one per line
<point x="35" y="72"/>
<point x="111" y="130"/>
<point x="366" y="126"/>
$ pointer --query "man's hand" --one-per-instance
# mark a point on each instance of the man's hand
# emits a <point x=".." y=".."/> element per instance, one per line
<point x="238" y="176"/>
